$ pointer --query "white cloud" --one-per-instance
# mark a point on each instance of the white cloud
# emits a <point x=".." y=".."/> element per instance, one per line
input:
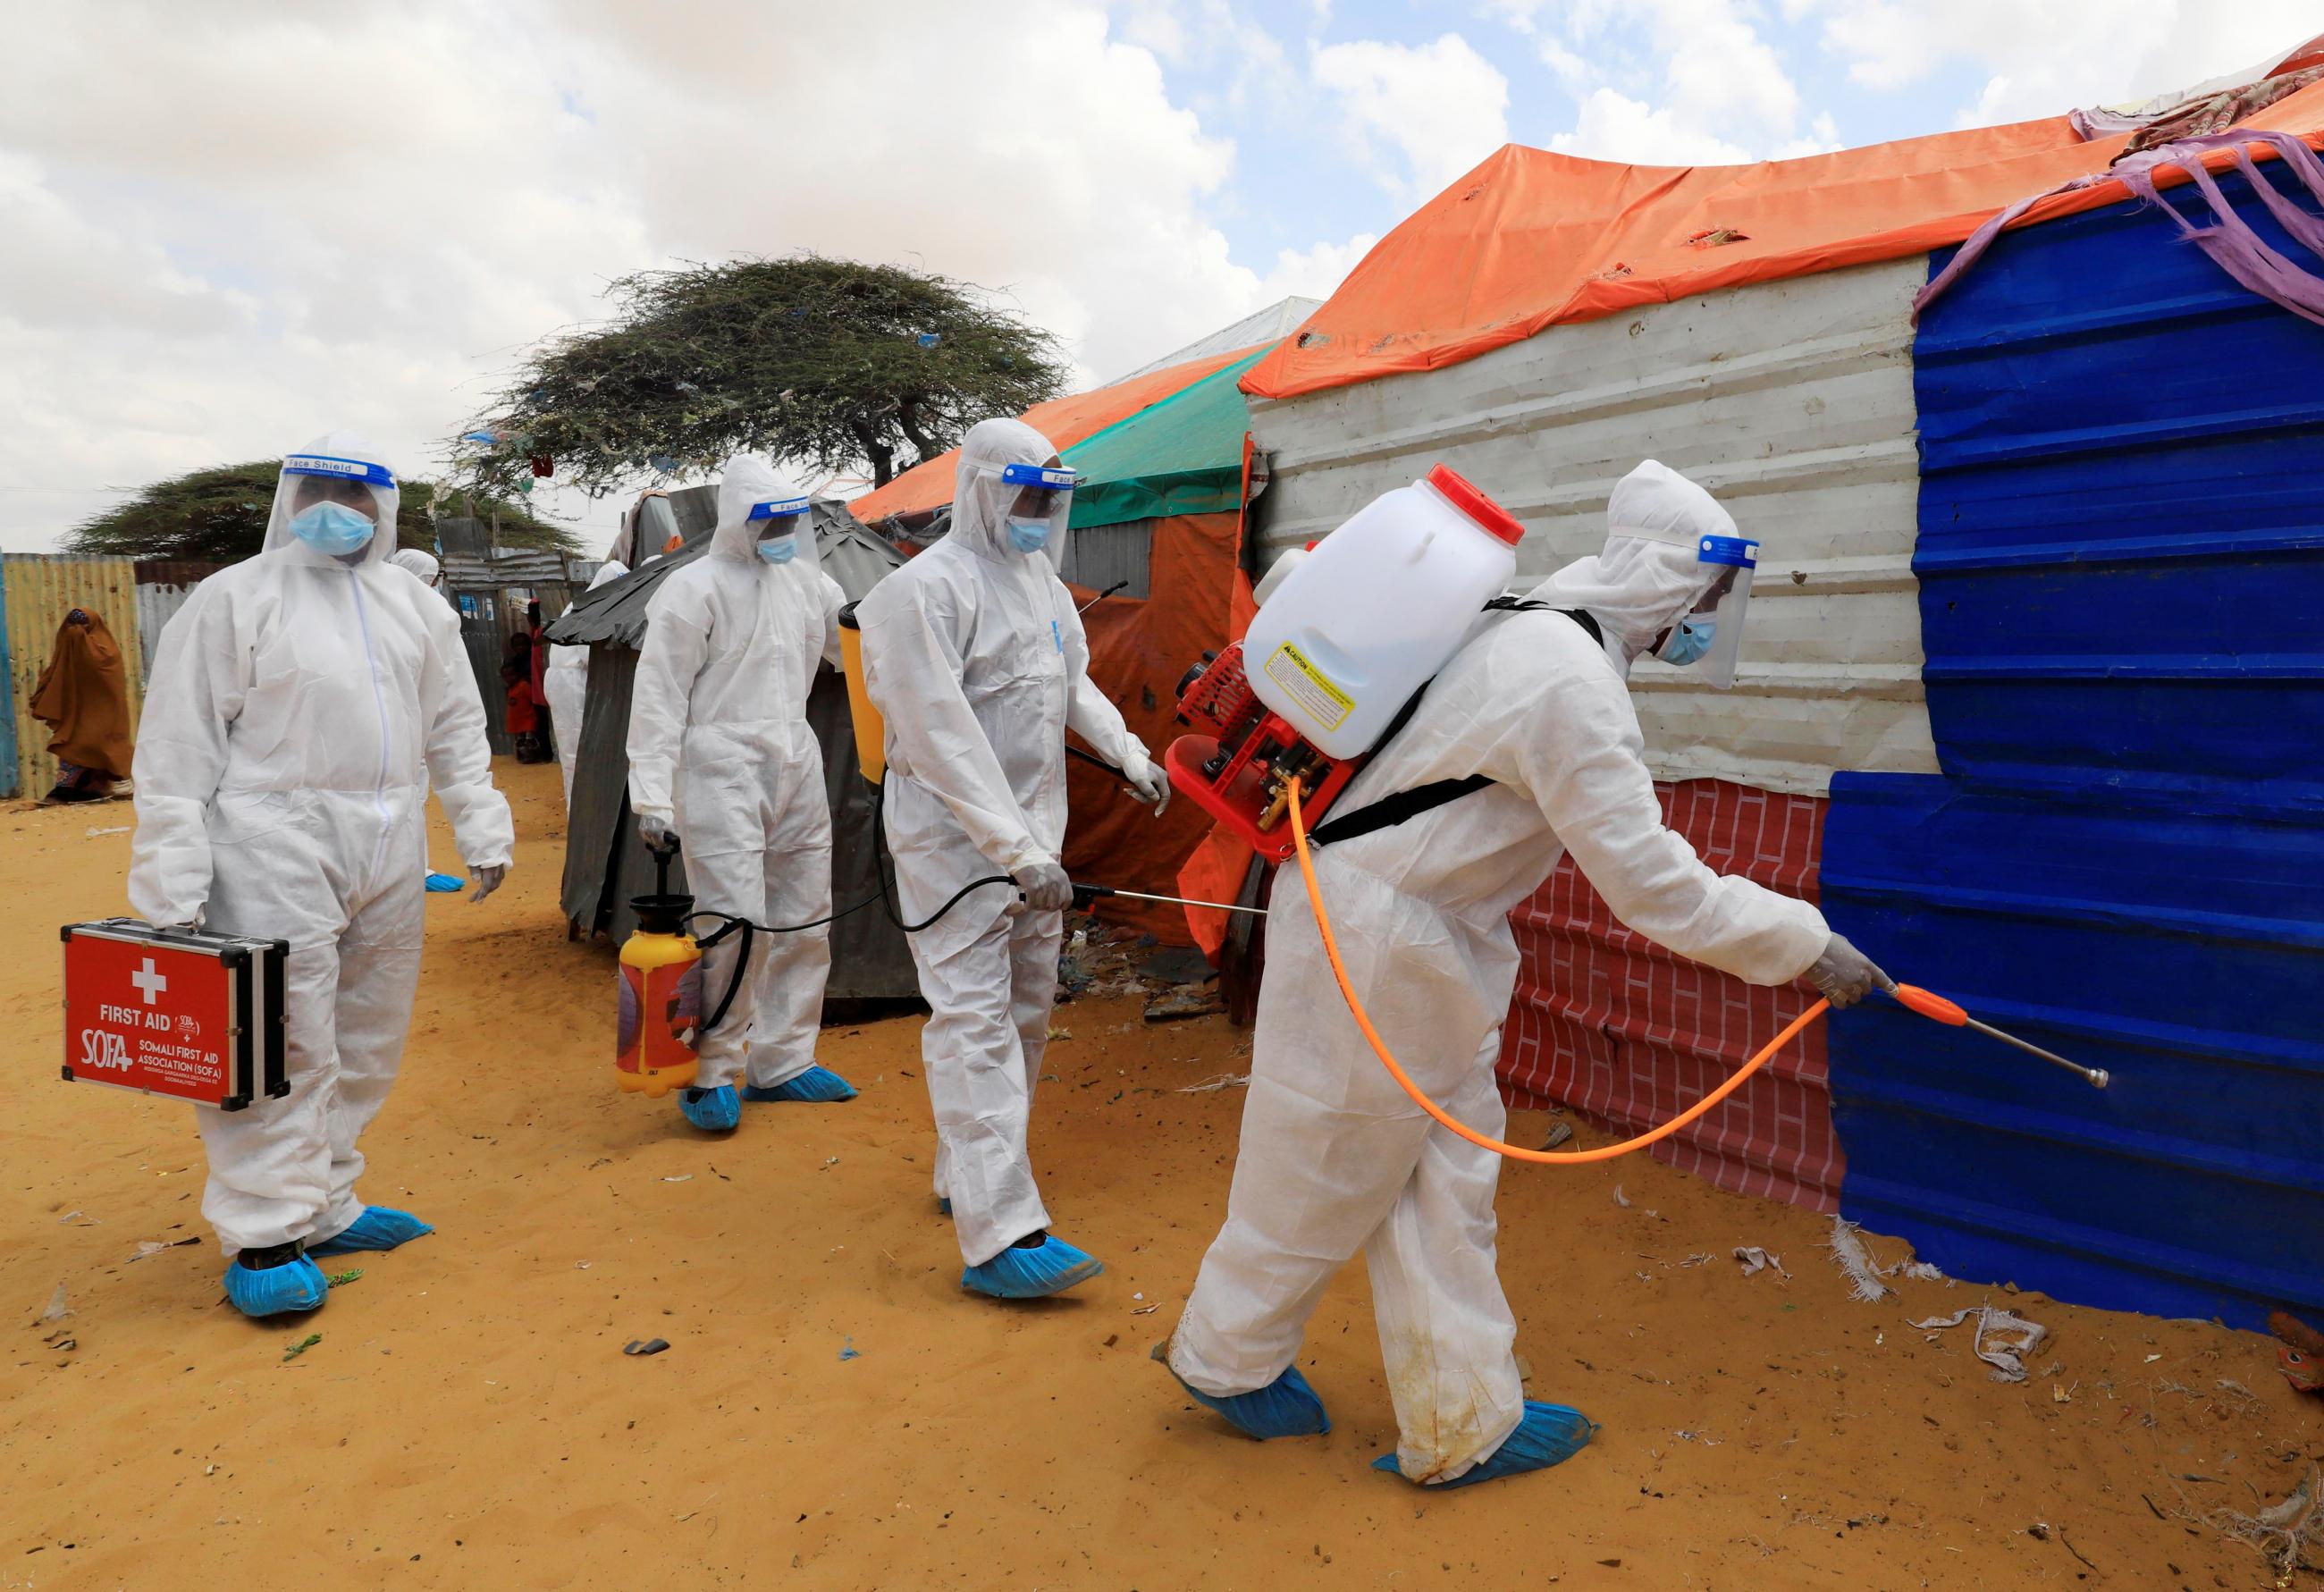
<point x="1440" y="108"/>
<point x="1717" y="92"/>
<point x="1313" y="273"/>
<point x="2042" y="58"/>
<point x="230" y="227"/>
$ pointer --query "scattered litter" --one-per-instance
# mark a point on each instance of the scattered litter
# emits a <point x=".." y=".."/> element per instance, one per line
<point x="1137" y="1296"/>
<point x="721" y="1176"/>
<point x="681" y="1177"/>
<point x="833" y="1162"/>
<point x="1223" y="1081"/>
<point x="58" y="1308"/>
<point x="2062" y="1395"/>
<point x="848" y="1351"/>
<point x="697" y="1509"/>
<point x="2013" y="1338"/>
<point x="1181" y="1004"/>
<point x="1696" y="1437"/>
<point x="1147" y="1310"/>
<point x="1756" y="1260"/>
<point x="1620" y="1198"/>
<point x="116" y="829"/>
<point x="1558" y="1132"/>
<point x="1921" y="1271"/>
<point x="82" y="1216"/>
<point x="341" y="1279"/>
<point x="146" y="1246"/>
<point x="2287" y="1534"/>
<point x="1850" y="1255"/>
<point x="650" y="1346"/>
<point x="2153" y="1358"/>
<point x="580" y="1266"/>
<point x="1694" y="1260"/>
<point x="1717" y="237"/>
<point x="1056" y="1034"/>
<point x="302" y="1345"/>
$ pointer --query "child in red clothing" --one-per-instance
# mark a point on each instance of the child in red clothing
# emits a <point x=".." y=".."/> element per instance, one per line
<point x="524" y="720"/>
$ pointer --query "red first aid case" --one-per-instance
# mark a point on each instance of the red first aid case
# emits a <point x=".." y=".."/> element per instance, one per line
<point x="194" y="1015"/>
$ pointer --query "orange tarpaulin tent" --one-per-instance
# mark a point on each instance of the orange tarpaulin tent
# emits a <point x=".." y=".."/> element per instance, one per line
<point x="1530" y="239"/>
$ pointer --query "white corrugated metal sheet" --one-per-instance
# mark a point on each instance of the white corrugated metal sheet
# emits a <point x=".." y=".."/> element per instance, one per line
<point x="1791" y="401"/>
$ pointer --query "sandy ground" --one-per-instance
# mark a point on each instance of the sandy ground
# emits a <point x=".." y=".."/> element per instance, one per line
<point x="468" y="1418"/>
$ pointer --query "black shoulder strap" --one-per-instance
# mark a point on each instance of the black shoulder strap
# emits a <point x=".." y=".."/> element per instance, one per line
<point x="1392" y="810"/>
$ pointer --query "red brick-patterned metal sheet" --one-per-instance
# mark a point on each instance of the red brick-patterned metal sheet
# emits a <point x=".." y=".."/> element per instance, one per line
<point x="1609" y="1024"/>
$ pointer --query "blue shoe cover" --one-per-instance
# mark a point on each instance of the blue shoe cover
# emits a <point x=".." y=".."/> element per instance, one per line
<point x="279" y="1290"/>
<point x="440" y="883"/>
<point x="1031" y="1274"/>
<point x="812" y="1087"/>
<point x="712" y="1110"/>
<point x="944" y="1206"/>
<point x="1285" y="1407"/>
<point x="378" y="1228"/>
<point x="1548" y="1435"/>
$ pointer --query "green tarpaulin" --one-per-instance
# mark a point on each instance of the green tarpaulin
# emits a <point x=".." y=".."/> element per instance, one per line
<point x="1182" y="455"/>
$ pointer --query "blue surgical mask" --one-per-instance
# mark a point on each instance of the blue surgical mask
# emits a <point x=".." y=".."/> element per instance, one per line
<point x="1689" y="640"/>
<point x="779" y="549"/>
<point x="332" y="528"/>
<point x="1028" y="536"/>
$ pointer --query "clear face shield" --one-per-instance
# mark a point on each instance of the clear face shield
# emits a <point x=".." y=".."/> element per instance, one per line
<point x="336" y="506"/>
<point x="779" y="530"/>
<point x="1712" y="635"/>
<point x="1039" y="505"/>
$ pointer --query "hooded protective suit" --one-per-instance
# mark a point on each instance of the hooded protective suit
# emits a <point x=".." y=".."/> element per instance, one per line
<point x="423" y="565"/>
<point x="976" y="657"/>
<point x="1335" y="1156"/>
<point x="300" y="706"/>
<point x="568" y="684"/>
<point x="719" y="752"/>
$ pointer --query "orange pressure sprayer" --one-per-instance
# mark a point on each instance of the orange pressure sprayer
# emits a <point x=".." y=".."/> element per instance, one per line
<point x="660" y="992"/>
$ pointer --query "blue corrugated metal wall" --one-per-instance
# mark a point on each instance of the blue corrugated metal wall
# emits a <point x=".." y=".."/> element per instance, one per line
<point x="2121" y="560"/>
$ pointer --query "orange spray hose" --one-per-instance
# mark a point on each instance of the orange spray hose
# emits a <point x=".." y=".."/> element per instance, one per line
<point x="1551" y="1158"/>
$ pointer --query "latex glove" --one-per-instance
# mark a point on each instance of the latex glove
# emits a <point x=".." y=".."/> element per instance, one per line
<point x="1152" y="786"/>
<point x="1845" y="975"/>
<point x="1046" y="888"/>
<point x="655" y="831"/>
<point x="486" y="879"/>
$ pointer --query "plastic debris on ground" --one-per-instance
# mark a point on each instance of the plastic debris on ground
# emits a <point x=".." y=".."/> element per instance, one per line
<point x="302" y="1345"/>
<point x="1224" y="1081"/>
<point x="2003" y="1340"/>
<point x="1756" y="1260"/>
<point x="848" y="1351"/>
<point x="649" y="1345"/>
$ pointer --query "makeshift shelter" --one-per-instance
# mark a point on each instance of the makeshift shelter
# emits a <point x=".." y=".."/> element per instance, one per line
<point x="2026" y="698"/>
<point x="606" y="864"/>
<point x="1155" y="557"/>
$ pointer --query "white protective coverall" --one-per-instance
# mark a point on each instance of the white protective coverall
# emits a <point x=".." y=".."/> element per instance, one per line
<point x="300" y="708"/>
<point x="976" y="656"/>
<point x="422" y="565"/>
<point x="1335" y="1157"/>
<point x="721" y="751"/>
<point x="566" y="681"/>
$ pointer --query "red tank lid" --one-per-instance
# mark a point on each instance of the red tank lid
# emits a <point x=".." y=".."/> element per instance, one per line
<point x="1489" y="516"/>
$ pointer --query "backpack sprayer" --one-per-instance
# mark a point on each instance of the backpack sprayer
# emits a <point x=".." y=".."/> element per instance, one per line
<point x="1344" y="645"/>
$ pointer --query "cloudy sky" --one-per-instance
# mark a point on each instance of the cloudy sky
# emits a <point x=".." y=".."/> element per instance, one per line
<point x="227" y="226"/>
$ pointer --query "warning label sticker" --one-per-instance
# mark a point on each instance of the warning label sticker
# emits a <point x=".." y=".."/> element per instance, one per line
<point x="1318" y="698"/>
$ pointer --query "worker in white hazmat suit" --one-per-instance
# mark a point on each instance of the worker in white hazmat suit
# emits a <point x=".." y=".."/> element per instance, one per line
<point x="976" y="656"/>
<point x="301" y="704"/>
<point x="566" y="681"/>
<point x="423" y="568"/>
<point x="1335" y="1156"/>
<point x="420" y="565"/>
<point x="721" y="757"/>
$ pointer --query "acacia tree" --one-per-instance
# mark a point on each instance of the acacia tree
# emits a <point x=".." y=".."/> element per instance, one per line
<point x="218" y="516"/>
<point x="827" y="362"/>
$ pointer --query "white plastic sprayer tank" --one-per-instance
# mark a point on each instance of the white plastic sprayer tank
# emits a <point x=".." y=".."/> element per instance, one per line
<point x="1371" y="614"/>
